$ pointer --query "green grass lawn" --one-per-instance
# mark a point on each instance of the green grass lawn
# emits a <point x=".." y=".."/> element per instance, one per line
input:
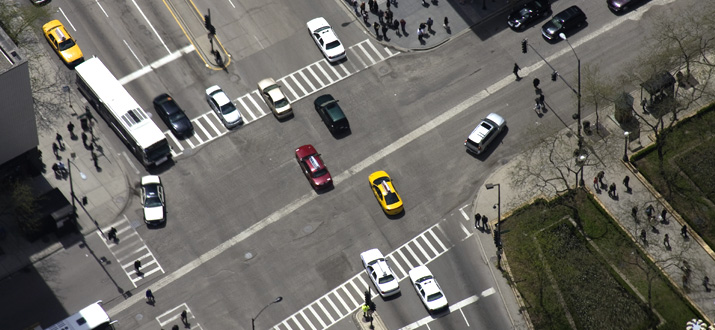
<point x="686" y="179"/>
<point x="560" y="274"/>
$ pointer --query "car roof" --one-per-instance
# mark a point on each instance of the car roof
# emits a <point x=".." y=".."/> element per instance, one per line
<point x="419" y="272"/>
<point x="322" y="99"/>
<point x="266" y="82"/>
<point x="317" y="23"/>
<point x="305" y="150"/>
<point x="151" y="179"/>
<point x="569" y="12"/>
<point x="218" y="95"/>
<point x="497" y="119"/>
<point x="276" y="94"/>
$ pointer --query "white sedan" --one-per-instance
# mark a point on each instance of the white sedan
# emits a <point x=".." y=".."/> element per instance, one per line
<point x="427" y="288"/>
<point x="274" y="98"/>
<point x="152" y="194"/>
<point x="380" y="272"/>
<point x="326" y="39"/>
<point x="222" y="105"/>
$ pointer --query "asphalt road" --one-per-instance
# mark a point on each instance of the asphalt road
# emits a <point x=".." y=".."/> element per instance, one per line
<point x="409" y="116"/>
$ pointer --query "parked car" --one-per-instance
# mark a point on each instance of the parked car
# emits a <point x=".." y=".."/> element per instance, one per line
<point x="385" y="192"/>
<point x="62" y="43"/>
<point x="274" y="98"/>
<point x="380" y="272"/>
<point x="428" y="289"/>
<point x="173" y="116"/>
<point x="39" y="2"/>
<point x="331" y="114"/>
<point x="565" y="22"/>
<point x="313" y="167"/>
<point x="488" y="129"/>
<point x="326" y="39"/>
<point x="153" y="200"/>
<point x="223" y="107"/>
<point x="528" y="13"/>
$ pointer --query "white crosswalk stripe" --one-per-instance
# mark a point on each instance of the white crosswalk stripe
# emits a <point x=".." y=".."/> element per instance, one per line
<point x="130" y="247"/>
<point x="350" y="294"/>
<point x="296" y="86"/>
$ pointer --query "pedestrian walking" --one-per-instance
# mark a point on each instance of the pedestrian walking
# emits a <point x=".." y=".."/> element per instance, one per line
<point x="55" y="150"/>
<point x="429" y="24"/>
<point x="537" y="106"/>
<point x="516" y="71"/>
<point x="626" y="180"/>
<point x="684" y="231"/>
<point x="384" y="31"/>
<point x="706" y="281"/>
<point x="402" y="25"/>
<point x="376" y="26"/>
<point x="612" y="190"/>
<point x="663" y="214"/>
<point x="601" y="175"/>
<point x="59" y="139"/>
<point x="666" y="242"/>
<point x="387" y="3"/>
<point x="112" y="234"/>
<point x="184" y="317"/>
<point x="150" y="297"/>
<point x="369" y="5"/>
<point x="62" y="169"/>
<point x="355" y="7"/>
<point x="485" y="222"/>
<point x="95" y="159"/>
<point x="362" y="7"/>
<point x="175" y="327"/>
<point x="389" y="16"/>
<point x="477" y="218"/>
<point x="364" y="17"/>
<point x="634" y="213"/>
<point x="381" y="16"/>
<point x="419" y="35"/>
<point x="137" y="265"/>
<point x="541" y="100"/>
<point x="70" y="128"/>
<point x="643" y="237"/>
<point x="536" y="83"/>
<point x="446" y="23"/>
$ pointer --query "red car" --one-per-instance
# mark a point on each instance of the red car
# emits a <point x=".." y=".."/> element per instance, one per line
<point x="313" y="167"/>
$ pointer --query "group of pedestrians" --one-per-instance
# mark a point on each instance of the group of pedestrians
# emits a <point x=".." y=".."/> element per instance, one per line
<point x="387" y="21"/>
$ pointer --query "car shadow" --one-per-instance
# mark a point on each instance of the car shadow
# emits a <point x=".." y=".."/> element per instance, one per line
<point x="397" y="216"/>
<point x="394" y="296"/>
<point x="325" y="190"/>
<point x="286" y="118"/>
<point x="343" y="134"/>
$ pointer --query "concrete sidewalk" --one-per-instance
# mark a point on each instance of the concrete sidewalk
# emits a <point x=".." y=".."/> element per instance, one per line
<point x="606" y="154"/>
<point x="462" y="16"/>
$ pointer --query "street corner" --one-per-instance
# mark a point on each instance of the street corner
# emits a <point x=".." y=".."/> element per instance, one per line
<point x="368" y="321"/>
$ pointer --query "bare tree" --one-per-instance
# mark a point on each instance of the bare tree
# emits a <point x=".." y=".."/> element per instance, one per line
<point x="16" y="19"/>
<point x="597" y="89"/>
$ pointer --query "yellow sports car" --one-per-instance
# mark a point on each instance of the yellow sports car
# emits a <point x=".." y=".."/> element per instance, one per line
<point x="62" y="42"/>
<point x="385" y="193"/>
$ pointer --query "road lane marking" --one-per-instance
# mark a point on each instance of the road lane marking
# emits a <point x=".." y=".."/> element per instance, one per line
<point x="66" y="18"/>
<point x="102" y="8"/>
<point x="151" y="26"/>
<point x="426" y="320"/>
<point x="132" y="51"/>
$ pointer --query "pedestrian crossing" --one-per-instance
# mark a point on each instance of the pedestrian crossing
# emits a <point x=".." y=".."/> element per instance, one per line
<point x="296" y="85"/>
<point x="172" y="317"/>
<point x="128" y="248"/>
<point x="348" y="297"/>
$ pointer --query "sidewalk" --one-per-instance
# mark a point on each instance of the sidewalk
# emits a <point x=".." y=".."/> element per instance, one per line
<point x="461" y="18"/>
<point x="607" y="155"/>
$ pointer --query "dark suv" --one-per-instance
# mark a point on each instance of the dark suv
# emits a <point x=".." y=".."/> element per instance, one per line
<point x="333" y="117"/>
<point x="173" y="116"/>
<point x="570" y="19"/>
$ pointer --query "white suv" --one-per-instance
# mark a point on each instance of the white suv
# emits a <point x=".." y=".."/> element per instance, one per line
<point x="380" y="272"/>
<point x="485" y="133"/>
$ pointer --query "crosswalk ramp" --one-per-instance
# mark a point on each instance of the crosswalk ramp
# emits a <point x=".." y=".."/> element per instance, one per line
<point x="296" y="86"/>
<point x="349" y="296"/>
<point x="130" y="247"/>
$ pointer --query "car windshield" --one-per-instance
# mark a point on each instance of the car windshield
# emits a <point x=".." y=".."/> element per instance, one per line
<point x="152" y="201"/>
<point x="67" y="44"/>
<point x="557" y="22"/>
<point x="391" y="198"/>
<point x="282" y="103"/>
<point x="524" y="12"/>
<point x="385" y="279"/>
<point x="176" y="116"/>
<point x="486" y="125"/>
<point x="332" y="45"/>
<point x="227" y="108"/>
<point x="434" y="296"/>
<point x="379" y="180"/>
<point x="322" y="29"/>
<point x="320" y="173"/>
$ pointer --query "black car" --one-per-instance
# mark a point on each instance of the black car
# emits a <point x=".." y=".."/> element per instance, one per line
<point x="173" y="116"/>
<point x="525" y="15"/>
<point x="621" y="6"/>
<point x="570" y="19"/>
<point x="331" y="113"/>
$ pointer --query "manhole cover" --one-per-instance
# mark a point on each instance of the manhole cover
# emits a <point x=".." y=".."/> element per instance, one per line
<point x="119" y="199"/>
<point x="248" y="256"/>
<point x="234" y="78"/>
<point x="308" y="229"/>
<point x="139" y="317"/>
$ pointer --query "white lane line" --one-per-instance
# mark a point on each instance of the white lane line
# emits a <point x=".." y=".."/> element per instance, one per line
<point x="342" y="302"/>
<point x="465" y="230"/>
<point x="286" y="325"/>
<point x="295" y="320"/>
<point x="307" y="320"/>
<point x="151" y="26"/>
<point x="132" y="51"/>
<point x="364" y="284"/>
<point x="444" y="248"/>
<point x="364" y="51"/>
<point x="429" y="244"/>
<point x="419" y="246"/>
<point x="352" y="300"/>
<point x="464" y="317"/>
<point x="67" y="19"/>
<point x="413" y="254"/>
<point x="337" y="74"/>
<point x="255" y="104"/>
<point x="382" y="58"/>
<point x="310" y="307"/>
<point x="305" y="78"/>
<point x="136" y="171"/>
<point x="399" y="267"/>
<point x="245" y="107"/>
<point x="355" y="288"/>
<point x="102" y="8"/>
<point x="305" y="92"/>
<point x="409" y="264"/>
<point x="325" y="74"/>
<point x="464" y="214"/>
<point x="173" y="138"/>
<point x="325" y="311"/>
<point x="287" y="85"/>
<point x="156" y="64"/>
<point x="211" y="123"/>
<point x="347" y="72"/>
<point x="452" y="308"/>
<point x="322" y="85"/>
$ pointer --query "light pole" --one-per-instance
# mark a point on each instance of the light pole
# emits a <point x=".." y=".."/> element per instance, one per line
<point x="253" y="319"/>
<point x="580" y="161"/>
<point x="497" y="235"/>
<point x="578" y="95"/>
<point x="625" y="146"/>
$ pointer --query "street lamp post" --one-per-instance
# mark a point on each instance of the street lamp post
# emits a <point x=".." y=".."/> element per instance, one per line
<point x="625" y="146"/>
<point x="253" y="319"/>
<point x="578" y="95"/>
<point x="497" y="239"/>
<point x="580" y="161"/>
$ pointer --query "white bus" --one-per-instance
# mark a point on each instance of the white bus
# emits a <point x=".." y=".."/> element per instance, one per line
<point x="92" y="317"/>
<point x="122" y="113"/>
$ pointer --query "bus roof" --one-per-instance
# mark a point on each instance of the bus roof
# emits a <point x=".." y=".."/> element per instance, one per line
<point x="127" y="111"/>
<point x="88" y="318"/>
